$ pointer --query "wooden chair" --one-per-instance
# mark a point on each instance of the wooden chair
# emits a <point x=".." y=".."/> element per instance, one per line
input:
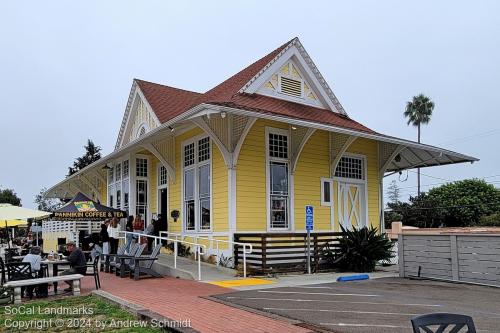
<point x="442" y="322"/>
<point x="120" y="251"/>
<point x="126" y="259"/>
<point x="143" y="265"/>
<point x="94" y="272"/>
<point x="17" y="271"/>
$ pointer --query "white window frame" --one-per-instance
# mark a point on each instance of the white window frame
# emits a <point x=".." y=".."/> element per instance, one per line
<point x="195" y="167"/>
<point x="135" y="178"/>
<point x="269" y="159"/>
<point x="329" y="181"/>
<point x="160" y="187"/>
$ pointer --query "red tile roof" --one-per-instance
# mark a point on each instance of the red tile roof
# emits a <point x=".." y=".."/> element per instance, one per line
<point x="168" y="102"/>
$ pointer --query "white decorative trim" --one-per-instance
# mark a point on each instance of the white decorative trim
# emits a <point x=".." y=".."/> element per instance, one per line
<point x="225" y="152"/>
<point x="296" y="156"/>
<point x="251" y="121"/>
<point x="161" y="158"/>
<point x="336" y="159"/>
<point x="384" y="167"/>
<point x="308" y="66"/>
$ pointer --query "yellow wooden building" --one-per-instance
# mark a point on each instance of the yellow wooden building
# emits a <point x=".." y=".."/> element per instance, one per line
<point x="248" y="155"/>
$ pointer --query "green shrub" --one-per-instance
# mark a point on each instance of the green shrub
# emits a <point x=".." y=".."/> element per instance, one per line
<point x="492" y="220"/>
<point x="360" y="249"/>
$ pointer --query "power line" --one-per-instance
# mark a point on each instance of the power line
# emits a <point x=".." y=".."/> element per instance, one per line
<point x="478" y="135"/>
<point x="446" y="207"/>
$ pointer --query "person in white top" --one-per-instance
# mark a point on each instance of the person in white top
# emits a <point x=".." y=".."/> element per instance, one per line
<point x="113" y="232"/>
<point x="34" y="258"/>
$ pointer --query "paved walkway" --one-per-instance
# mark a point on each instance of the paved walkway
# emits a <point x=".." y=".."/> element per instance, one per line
<point x="179" y="299"/>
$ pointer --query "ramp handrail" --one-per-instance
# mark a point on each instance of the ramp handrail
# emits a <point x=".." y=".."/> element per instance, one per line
<point x="199" y="246"/>
<point x="211" y="240"/>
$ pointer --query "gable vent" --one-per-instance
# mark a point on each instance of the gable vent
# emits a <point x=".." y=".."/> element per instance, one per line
<point x="291" y="87"/>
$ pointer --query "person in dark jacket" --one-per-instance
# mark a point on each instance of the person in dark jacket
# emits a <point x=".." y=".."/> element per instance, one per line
<point x="77" y="263"/>
<point x="104" y="237"/>
<point x="129" y="227"/>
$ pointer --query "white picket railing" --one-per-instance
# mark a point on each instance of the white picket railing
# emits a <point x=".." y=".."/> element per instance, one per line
<point x="217" y="248"/>
<point x="157" y="239"/>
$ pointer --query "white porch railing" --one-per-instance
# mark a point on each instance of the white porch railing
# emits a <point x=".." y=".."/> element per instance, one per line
<point x="199" y="247"/>
<point x="217" y="241"/>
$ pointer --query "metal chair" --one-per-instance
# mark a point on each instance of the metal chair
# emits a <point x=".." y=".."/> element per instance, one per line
<point x="443" y="322"/>
<point x="94" y="272"/>
<point x="20" y="271"/>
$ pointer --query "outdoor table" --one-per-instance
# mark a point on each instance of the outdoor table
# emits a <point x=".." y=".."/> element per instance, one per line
<point x="55" y="268"/>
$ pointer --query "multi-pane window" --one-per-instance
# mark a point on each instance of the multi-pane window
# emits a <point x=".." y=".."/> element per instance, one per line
<point x="197" y="185"/>
<point x="111" y="176"/>
<point x="141" y="197"/>
<point x="141" y="167"/>
<point x="279" y="201"/>
<point x="141" y="187"/>
<point x="125" y="169"/>
<point x="278" y="145"/>
<point x="162" y="176"/>
<point x="350" y="167"/>
<point x="189" y="154"/>
<point x="326" y="192"/>
<point x="126" y="190"/>
<point x="118" y="171"/>
<point x="111" y="195"/>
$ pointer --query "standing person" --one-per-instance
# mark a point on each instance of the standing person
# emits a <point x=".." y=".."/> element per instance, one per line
<point x="138" y="226"/>
<point x="150" y="230"/>
<point x="77" y="263"/>
<point x="113" y="231"/>
<point x="104" y="237"/>
<point x="130" y="228"/>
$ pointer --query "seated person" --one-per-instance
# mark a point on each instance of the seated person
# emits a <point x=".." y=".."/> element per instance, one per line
<point x="34" y="258"/>
<point x="77" y="263"/>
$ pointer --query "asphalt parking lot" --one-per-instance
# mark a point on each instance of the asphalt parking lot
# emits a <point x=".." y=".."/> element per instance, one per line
<point x="379" y="305"/>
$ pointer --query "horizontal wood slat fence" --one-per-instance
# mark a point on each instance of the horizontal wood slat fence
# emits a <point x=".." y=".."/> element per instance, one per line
<point x="284" y="252"/>
<point x="465" y="258"/>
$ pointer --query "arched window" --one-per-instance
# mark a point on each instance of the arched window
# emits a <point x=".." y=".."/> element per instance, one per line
<point x="142" y="131"/>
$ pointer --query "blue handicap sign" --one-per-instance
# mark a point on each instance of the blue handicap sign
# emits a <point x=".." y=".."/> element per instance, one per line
<point x="309" y="218"/>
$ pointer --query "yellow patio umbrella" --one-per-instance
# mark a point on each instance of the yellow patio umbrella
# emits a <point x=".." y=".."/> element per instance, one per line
<point x="10" y="212"/>
<point x="13" y="223"/>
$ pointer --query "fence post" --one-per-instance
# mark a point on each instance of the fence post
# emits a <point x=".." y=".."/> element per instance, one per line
<point x="263" y="253"/>
<point x="454" y="257"/>
<point x="316" y="253"/>
<point x="235" y="251"/>
<point x="401" y="256"/>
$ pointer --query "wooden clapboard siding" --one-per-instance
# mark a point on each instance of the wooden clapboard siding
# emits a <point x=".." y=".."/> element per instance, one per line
<point x="466" y="258"/>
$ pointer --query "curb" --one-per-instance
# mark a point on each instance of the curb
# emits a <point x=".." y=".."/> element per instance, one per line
<point x="141" y="312"/>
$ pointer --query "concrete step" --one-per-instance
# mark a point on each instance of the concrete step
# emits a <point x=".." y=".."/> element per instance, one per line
<point x="188" y="269"/>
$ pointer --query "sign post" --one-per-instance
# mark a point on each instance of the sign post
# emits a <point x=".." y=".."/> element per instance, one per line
<point x="309" y="227"/>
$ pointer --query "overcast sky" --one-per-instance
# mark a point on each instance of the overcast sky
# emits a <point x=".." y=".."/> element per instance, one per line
<point x="66" y="68"/>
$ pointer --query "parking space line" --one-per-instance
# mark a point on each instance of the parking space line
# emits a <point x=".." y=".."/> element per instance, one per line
<point x="348" y="311"/>
<point x="363" y="325"/>
<point x="330" y="301"/>
<point x="309" y="293"/>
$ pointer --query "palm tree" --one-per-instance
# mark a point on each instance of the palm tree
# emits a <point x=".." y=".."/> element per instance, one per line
<point x="419" y="111"/>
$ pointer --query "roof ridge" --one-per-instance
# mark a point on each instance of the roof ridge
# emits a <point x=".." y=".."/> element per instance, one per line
<point x="166" y="86"/>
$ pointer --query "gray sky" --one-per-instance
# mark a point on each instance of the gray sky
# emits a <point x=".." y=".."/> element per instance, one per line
<point x="66" y="69"/>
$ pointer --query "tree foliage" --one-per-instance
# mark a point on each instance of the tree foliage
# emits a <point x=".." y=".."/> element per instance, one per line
<point x="393" y="192"/>
<point x="47" y="204"/>
<point x="92" y="154"/>
<point x="419" y="110"/>
<point x="9" y="196"/>
<point x="457" y="204"/>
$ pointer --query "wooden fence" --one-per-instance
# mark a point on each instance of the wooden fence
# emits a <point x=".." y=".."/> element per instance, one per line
<point x="456" y="257"/>
<point x="284" y="252"/>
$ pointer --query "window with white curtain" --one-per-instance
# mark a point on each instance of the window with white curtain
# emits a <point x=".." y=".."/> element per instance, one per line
<point x="197" y="185"/>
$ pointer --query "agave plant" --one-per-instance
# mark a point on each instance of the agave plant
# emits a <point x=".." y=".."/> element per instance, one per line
<point x="360" y="249"/>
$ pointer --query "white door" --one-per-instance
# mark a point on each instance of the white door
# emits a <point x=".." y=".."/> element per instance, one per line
<point x="351" y="205"/>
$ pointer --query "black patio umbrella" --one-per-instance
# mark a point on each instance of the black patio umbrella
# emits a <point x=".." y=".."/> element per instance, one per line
<point x="82" y="208"/>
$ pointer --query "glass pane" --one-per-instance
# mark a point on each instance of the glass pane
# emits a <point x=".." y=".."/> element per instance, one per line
<point x="205" y="213"/>
<point x="118" y="198"/>
<point x="125" y="193"/>
<point x="326" y="192"/>
<point x="141" y="192"/>
<point x="141" y="167"/>
<point x="279" y="178"/>
<point x="118" y="171"/>
<point x="125" y="168"/>
<point x="188" y="184"/>
<point x="203" y="149"/>
<point x="189" y="154"/>
<point x="189" y="208"/>
<point x="279" y="212"/>
<point x="204" y="181"/>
